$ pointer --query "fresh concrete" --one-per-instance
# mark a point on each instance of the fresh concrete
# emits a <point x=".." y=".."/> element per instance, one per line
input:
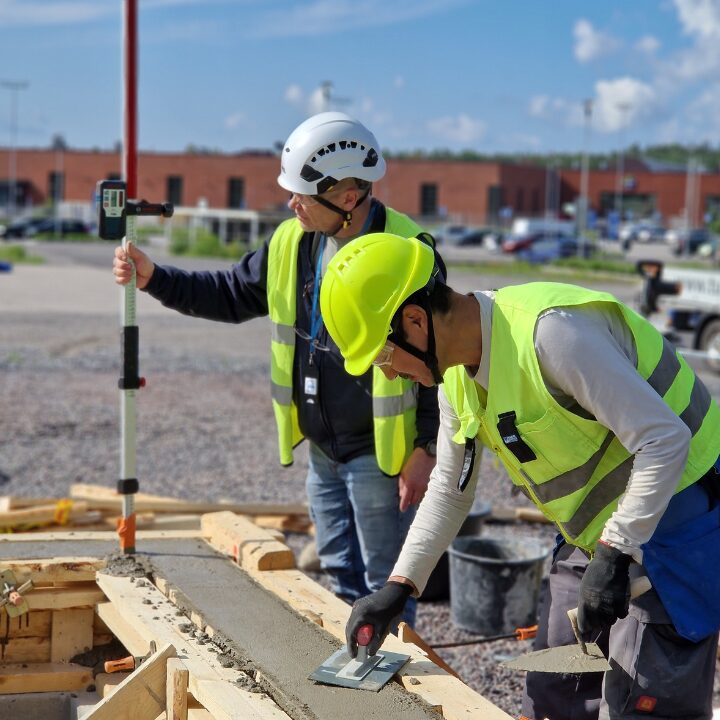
<point x="258" y="630"/>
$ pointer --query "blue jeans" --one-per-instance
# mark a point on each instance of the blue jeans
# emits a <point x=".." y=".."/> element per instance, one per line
<point x="359" y="528"/>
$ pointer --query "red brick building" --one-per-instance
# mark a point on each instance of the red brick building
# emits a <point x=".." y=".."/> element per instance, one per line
<point x="463" y="191"/>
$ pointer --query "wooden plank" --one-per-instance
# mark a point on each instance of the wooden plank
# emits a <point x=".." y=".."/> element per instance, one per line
<point x="127" y="632"/>
<point x="286" y="523"/>
<point x="62" y="598"/>
<point x="72" y="633"/>
<point x="106" y="683"/>
<point x="44" y="677"/>
<point x="199" y="714"/>
<point x="407" y="635"/>
<point x="176" y="697"/>
<point x="103" y="498"/>
<point x="88" y="535"/>
<point x="420" y="676"/>
<point x="253" y="548"/>
<point x="52" y="570"/>
<point x="52" y="514"/>
<point x="157" y="621"/>
<point x="27" y="650"/>
<point x="141" y="695"/>
<point x="37" y="623"/>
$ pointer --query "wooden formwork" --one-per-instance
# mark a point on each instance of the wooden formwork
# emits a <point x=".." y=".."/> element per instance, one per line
<point x="76" y="607"/>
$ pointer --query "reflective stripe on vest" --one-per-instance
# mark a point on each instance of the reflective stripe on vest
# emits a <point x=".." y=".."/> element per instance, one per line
<point x="582" y="497"/>
<point x="394" y="402"/>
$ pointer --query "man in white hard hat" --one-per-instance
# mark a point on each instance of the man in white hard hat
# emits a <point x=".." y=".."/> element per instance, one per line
<point x="372" y="441"/>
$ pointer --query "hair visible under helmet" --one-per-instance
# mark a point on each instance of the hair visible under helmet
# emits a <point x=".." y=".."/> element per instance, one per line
<point x="325" y="149"/>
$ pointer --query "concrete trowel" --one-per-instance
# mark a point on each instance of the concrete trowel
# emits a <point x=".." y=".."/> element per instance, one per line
<point x="572" y="659"/>
<point x="365" y="672"/>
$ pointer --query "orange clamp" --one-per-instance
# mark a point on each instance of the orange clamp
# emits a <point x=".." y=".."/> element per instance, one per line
<point x="526" y="633"/>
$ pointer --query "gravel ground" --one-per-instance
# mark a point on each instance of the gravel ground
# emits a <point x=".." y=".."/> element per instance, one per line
<point x="204" y="422"/>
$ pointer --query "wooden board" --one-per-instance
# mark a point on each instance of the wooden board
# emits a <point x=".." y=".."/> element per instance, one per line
<point x="176" y="695"/>
<point x="53" y="570"/>
<point x="72" y="633"/>
<point x="89" y="535"/>
<point x="104" y="498"/>
<point x="61" y="598"/>
<point x="44" y="677"/>
<point x="253" y="548"/>
<point x="211" y="684"/>
<point x="141" y="695"/>
<point x="420" y="676"/>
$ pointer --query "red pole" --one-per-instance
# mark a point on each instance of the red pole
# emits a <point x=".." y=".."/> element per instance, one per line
<point x="130" y="99"/>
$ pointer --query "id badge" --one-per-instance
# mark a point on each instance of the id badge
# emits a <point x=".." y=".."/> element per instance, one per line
<point x="311" y="385"/>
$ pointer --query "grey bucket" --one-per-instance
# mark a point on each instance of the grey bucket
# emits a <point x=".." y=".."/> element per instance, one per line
<point x="495" y="583"/>
<point x="438" y="584"/>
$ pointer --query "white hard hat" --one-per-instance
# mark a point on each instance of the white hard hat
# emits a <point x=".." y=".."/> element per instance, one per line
<point x="325" y="149"/>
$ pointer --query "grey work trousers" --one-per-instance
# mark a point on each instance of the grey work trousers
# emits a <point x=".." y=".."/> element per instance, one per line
<point x="655" y="672"/>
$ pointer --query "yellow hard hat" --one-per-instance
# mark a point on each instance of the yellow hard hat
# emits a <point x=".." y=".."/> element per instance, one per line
<point x="364" y="285"/>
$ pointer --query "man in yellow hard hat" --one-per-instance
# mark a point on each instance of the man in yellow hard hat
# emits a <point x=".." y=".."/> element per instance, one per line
<point x="604" y="427"/>
<point x="368" y="468"/>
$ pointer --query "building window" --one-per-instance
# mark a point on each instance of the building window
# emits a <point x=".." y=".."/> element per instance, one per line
<point x="174" y="189"/>
<point x="520" y="200"/>
<point x="535" y="201"/>
<point x="236" y="193"/>
<point x="428" y="199"/>
<point x="495" y="202"/>
<point x="56" y="187"/>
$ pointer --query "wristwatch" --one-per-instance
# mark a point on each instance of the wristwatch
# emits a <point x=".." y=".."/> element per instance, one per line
<point x="430" y="448"/>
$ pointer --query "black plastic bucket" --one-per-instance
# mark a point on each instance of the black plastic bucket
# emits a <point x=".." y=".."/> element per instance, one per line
<point x="438" y="584"/>
<point x="495" y="583"/>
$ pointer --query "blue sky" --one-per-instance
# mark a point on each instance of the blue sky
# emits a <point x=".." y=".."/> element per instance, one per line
<point x="488" y="75"/>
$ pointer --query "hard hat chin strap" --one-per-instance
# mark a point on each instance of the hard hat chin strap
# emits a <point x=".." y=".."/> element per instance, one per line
<point x="429" y="357"/>
<point x="345" y="214"/>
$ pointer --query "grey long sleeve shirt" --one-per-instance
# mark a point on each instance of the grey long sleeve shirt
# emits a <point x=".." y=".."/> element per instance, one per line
<point x="587" y="357"/>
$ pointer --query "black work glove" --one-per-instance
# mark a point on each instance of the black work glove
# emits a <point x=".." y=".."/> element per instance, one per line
<point x="381" y="609"/>
<point x="604" y="591"/>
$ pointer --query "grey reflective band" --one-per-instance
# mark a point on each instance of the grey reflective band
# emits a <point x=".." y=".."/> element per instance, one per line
<point x="283" y="334"/>
<point x="281" y="394"/>
<point x="395" y="405"/>
<point x="665" y="372"/>
<point x="608" y="489"/>
<point x="613" y="485"/>
<point x="572" y="480"/>
<point x="700" y="401"/>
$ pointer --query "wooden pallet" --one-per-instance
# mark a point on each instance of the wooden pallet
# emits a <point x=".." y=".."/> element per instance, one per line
<point x="75" y="606"/>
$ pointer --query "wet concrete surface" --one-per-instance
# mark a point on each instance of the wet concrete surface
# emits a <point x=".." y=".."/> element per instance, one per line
<point x="256" y="629"/>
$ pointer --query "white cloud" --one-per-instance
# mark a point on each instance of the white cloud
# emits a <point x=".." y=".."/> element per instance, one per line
<point x="590" y="43"/>
<point x="316" y="102"/>
<point x="620" y="102"/>
<point x="648" y="44"/>
<point x="459" y="129"/>
<point x="31" y="12"/>
<point x="568" y="112"/>
<point x="234" y="120"/>
<point x="294" y="94"/>
<point x="324" y="17"/>
<point x="699" y="17"/>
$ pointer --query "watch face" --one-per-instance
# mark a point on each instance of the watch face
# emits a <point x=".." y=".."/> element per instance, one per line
<point x="431" y="448"/>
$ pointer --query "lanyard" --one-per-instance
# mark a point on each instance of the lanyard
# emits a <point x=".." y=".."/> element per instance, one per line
<point x="316" y="320"/>
<point x="315" y="317"/>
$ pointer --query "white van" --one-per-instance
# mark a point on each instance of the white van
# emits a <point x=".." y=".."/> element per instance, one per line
<point x="522" y="227"/>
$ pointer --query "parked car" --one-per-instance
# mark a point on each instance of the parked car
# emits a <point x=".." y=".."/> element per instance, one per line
<point x="482" y="237"/>
<point x="642" y="232"/>
<point x="554" y="247"/>
<point x="23" y="228"/>
<point x="517" y="243"/>
<point x="690" y="242"/>
<point x="63" y="227"/>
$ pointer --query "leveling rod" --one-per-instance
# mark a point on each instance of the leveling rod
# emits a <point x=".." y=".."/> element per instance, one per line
<point x="116" y="221"/>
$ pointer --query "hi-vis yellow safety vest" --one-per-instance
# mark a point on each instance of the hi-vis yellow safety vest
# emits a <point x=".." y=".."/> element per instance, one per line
<point x="580" y="469"/>
<point x="394" y="402"/>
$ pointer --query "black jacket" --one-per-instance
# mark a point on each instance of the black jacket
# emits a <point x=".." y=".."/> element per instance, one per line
<point x="340" y="423"/>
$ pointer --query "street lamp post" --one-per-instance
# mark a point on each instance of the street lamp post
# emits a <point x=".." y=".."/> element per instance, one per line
<point x="584" y="177"/>
<point x="14" y="86"/>
<point x="623" y="108"/>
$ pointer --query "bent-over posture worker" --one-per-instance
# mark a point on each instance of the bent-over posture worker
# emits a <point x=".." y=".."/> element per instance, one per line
<point x="372" y="441"/>
<point x="598" y="420"/>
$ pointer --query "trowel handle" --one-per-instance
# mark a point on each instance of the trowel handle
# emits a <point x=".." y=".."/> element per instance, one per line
<point x="638" y="586"/>
<point x="364" y="635"/>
